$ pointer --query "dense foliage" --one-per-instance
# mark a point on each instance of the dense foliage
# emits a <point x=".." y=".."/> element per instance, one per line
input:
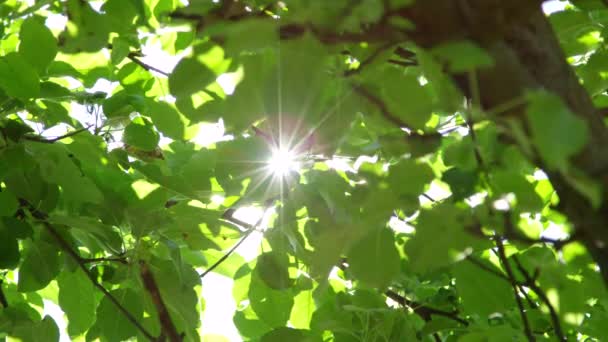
<point x="431" y="170"/>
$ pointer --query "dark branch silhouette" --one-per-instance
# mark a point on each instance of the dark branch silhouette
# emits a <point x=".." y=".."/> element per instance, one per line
<point x="531" y="283"/>
<point x="3" y="301"/>
<point x="82" y="265"/>
<point x="514" y="284"/>
<point x="168" y="329"/>
<point x="55" y="139"/>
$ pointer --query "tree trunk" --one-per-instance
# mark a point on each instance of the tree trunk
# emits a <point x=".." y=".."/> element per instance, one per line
<point x="527" y="56"/>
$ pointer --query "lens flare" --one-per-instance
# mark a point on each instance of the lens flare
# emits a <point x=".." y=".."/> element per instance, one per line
<point x="282" y="162"/>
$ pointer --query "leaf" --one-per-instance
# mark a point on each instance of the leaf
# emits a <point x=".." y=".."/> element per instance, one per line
<point x="141" y="134"/>
<point x="43" y="331"/>
<point x="272" y="306"/>
<point x="57" y="167"/>
<point x="38" y="45"/>
<point x="17" y="78"/>
<point x="8" y="203"/>
<point x="406" y="98"/>
<point x="462" y="183"/>
<point x="190" y="76"/>
<point x="374" y="260"/>
<point x="482" y="293"/>
<point x="288" y="334"/>
<point x="9" y="248"/>
<point x="441" y="238"/>
<point x="111" y="323"/>
<point x="77" y="300"/>
<point x="176" y="283"/>
<point x="120" y="50"/>
<point x="272" y="268"/>
<point x="40" y="266"/>
<point x="167" y="119"/>
<point x="550" y="122"/>
<point x="122" y="104"/>
<point x="409" y="177"/>
<point x="463" y="56"/>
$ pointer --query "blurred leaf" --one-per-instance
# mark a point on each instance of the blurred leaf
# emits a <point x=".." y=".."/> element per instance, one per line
<point x="38" y="45"/>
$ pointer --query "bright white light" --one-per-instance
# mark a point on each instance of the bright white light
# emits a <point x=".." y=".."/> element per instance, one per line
<point x="283" y="162"/>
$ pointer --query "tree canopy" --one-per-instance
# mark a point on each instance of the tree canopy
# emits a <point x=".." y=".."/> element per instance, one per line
<point x="430" y="170"/>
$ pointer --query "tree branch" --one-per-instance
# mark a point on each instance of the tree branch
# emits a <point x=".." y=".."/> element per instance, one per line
<point x="425" y="312"/>
<point x="133" y="57"/>
<point x="250" y="229"/>
<point x="55" y="139"/>
<point x="531" y="283"/>
<point x="514" y="284"/>
<point x="228" y="253"/>
<point x="502" y="276"/>
<point x="3" y="301"/>
<point x="168" y="329"/>
<point x="121" y="260"/>
<point x="82" y="265"/>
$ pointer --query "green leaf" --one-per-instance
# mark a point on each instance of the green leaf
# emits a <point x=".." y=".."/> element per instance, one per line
<point x="190" y="76"/>
<point x="176" y="283"/>
<point x="406" y="98"/>
<point x="43" y="331"/>
<point x="122" y="104"/>
<point x="8" y="203"/>
<point x="482" y="293"/>
<point x="288" y="334"/>
<point x="374" y="260"/>
<point x="57" y="167"/>
<point x="409" y="177"/>
<point x="272" y="268"/>
<point x="141" y="134"/>
<point x="120" y="50"/>
<point x="111" y="323"/>
<point x="463" y="56"/>
<point x="441" y="238"/>
<point x="462" y="183"/>
<point x="38" y="45"/>
<point x="40" y="265"/>
<point x="550" y="121"/>
<point x="17" y="78"/>
<point x="167" y="119"/>
<point x="272" y="306"/>
<point x="9" y="248"/>
<point x="77" y="299"/>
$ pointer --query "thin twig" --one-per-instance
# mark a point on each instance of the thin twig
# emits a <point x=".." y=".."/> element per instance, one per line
<point x="55" y="139"/>
<point x="133" y="57"/>
<point x="380" y="104"/>
<point x="502" y="276"/>
<point x="121" y="260"/>
<point x="486" y="268"/>
<point x="425" y="312"/>
<point x="225" y="256"/>
<point x="82" y="265"/>
<point x="168" y="329"/>
<point x="250" y="229"/>
<point x="514" y="284"/>
<point x="531" y="283"/>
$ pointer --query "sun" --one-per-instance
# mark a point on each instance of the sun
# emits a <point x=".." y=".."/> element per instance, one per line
<point x="282" y="162"/>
